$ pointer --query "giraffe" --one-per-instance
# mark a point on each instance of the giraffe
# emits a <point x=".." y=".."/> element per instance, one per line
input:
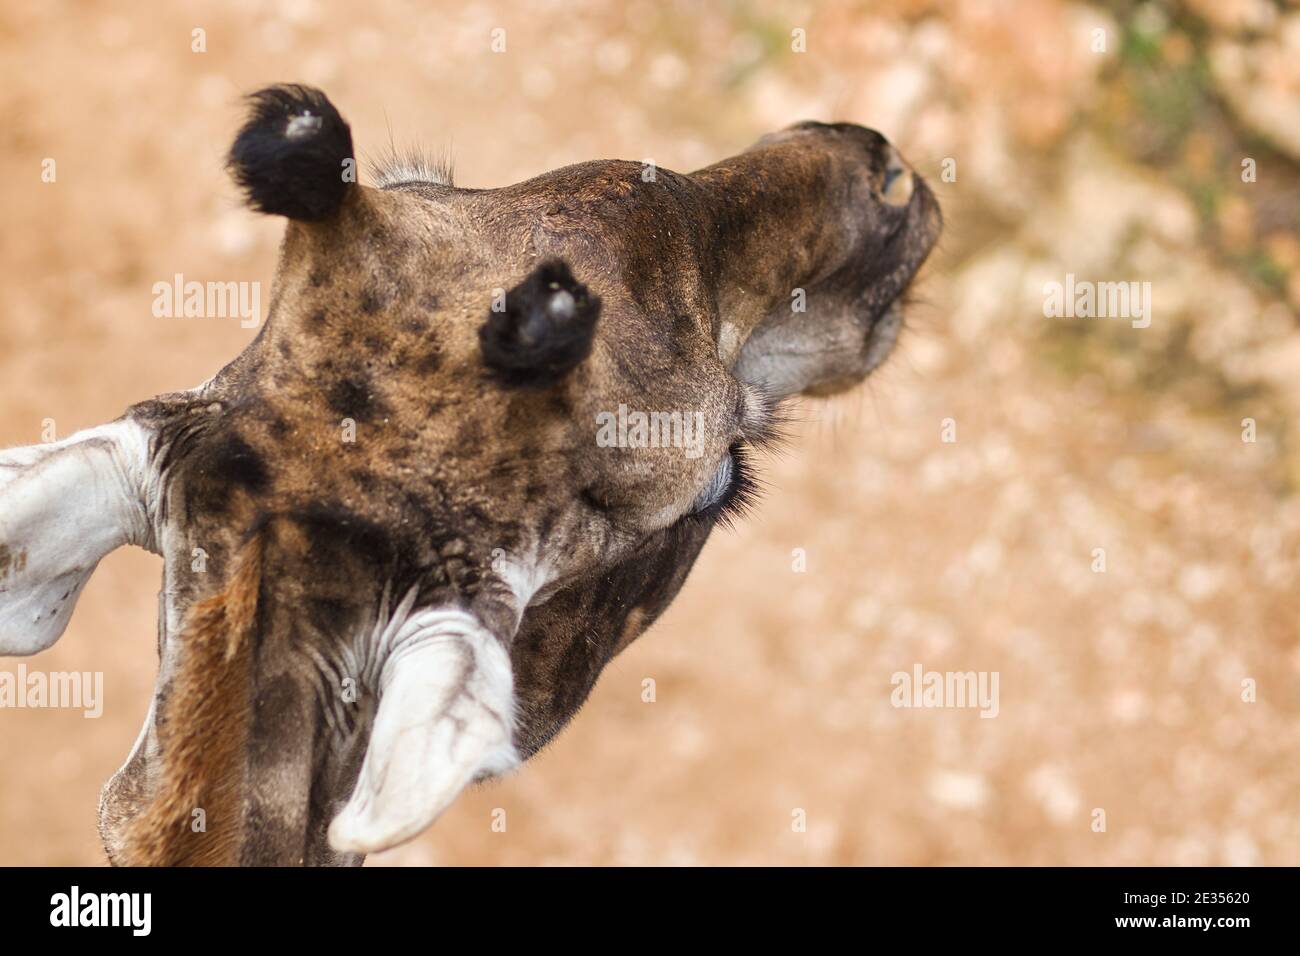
<point x="418" y="554"/>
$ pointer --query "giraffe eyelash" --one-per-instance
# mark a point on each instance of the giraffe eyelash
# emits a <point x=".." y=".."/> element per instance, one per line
<point x="766" y="418"/>
<point x="737" y="498"/>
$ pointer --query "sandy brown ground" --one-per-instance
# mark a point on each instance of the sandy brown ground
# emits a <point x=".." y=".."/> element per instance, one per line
<point x="1119" y="691"/>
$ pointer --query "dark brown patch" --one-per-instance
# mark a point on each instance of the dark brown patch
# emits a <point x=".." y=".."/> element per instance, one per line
<point x="353" y="397"/>
<point x="429" y="362"/>
<point x="372" y="300"/>
<point x="235" y="462"/>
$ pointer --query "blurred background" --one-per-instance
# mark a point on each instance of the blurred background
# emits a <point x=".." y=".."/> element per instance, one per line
<point x="1103" y="140"/>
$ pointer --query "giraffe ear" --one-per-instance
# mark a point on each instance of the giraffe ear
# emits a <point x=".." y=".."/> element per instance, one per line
<point x="293" y="157"/>
<point x="63" y="506"/>
<point x="543" y="329"/>
<point x="445" y="719"/>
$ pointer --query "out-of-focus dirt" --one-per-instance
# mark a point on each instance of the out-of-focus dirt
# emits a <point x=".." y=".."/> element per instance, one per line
<point x="1119" y="691"/>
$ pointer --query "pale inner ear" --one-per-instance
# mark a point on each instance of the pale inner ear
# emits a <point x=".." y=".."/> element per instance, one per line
<point x="63" y="506"/>
<point x="445" y="719"/>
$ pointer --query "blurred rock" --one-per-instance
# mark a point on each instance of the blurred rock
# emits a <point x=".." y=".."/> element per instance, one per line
<point x="1260" y="79"/>
<point x="1234" y="16"/>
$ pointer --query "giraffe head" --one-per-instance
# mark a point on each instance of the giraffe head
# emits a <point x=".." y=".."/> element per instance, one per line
<point x="472" y="454"/>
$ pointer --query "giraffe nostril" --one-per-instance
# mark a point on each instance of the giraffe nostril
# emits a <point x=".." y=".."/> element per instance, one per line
<point x="896" y="185"/>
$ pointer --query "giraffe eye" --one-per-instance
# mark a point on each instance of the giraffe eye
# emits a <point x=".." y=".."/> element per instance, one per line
<point x="729" y="492"/>
<point x="717" y="487"/>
